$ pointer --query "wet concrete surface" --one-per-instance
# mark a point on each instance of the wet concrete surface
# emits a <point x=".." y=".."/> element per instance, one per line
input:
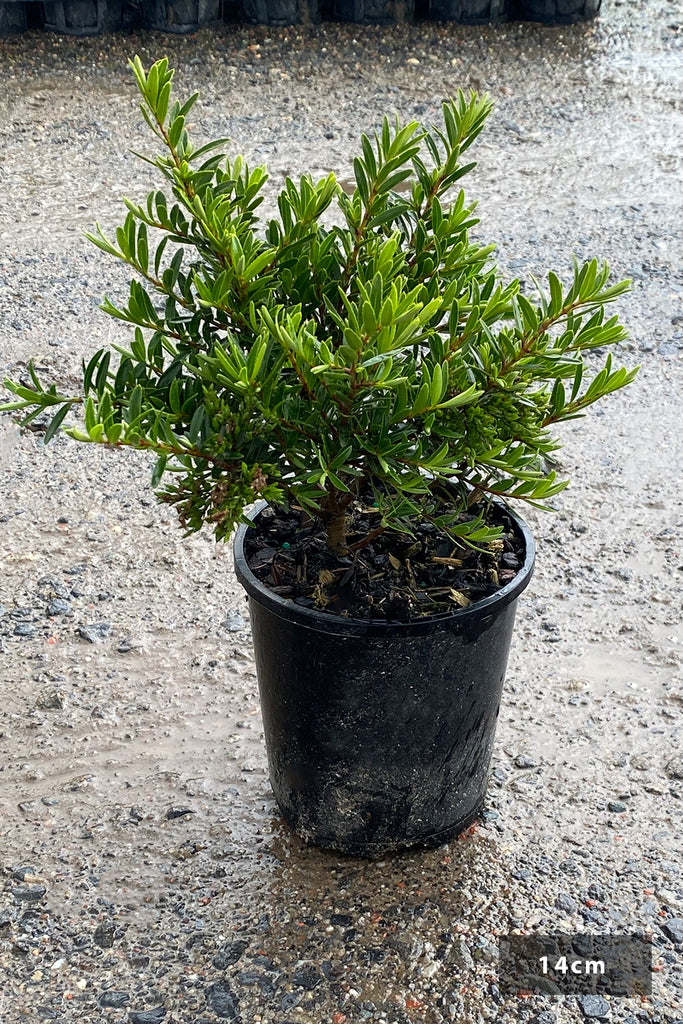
<point x="145" y="867"/>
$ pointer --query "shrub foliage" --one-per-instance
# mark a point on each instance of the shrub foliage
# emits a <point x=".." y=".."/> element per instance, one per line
<point x="370" y="349"/>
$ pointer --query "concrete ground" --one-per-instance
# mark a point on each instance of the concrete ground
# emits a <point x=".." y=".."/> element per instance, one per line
<point x="147" y="876"/>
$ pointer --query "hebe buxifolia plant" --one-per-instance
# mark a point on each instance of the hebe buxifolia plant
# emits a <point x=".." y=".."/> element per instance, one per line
<point x="308" y="364"/>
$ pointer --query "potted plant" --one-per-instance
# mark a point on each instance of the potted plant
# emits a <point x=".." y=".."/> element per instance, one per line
<point x="360" y="369"/>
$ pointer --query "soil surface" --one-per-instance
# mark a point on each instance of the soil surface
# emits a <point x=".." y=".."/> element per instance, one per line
<point x="383" y="574"/>
<point x="146" y="875"/>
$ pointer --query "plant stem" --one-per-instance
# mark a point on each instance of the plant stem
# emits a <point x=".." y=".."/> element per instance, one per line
<point x="334" y="518"/>
<point x="336" y="532"/>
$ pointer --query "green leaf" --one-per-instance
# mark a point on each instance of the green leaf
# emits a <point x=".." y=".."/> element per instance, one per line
<point x="529" y="316"/>
<point x="438" y="385"/>
<point x="113" y="432"/>
<point x="196" y="424"/>
<point x="388" y="215"/>
<point x="466" y="397"/>
<point x="55" y="424"/>
<point x="90" y="418"/>
<point x="555" y="293"/>
<point x="102" y="373"/>
<point x="361" y="180"/>
<point x="175" y="131"/>
<point x="162" y="102"/>
<point x="135" y="404"/>
<point x="97" y="432"/>
<point x="159" y="469"/>
<point x="557" y="398"/>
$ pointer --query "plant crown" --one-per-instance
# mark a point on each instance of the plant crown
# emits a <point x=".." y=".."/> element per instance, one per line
<point x="307" y="364"/>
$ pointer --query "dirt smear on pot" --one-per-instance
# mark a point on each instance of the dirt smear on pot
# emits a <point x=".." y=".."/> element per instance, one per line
<point x="146" y="873"/>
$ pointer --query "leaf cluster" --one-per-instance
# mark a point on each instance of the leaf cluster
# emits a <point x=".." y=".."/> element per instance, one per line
<point x="308" y="363"/>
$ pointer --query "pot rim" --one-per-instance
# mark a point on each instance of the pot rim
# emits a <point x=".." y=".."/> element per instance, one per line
<point x="324" y="622"/>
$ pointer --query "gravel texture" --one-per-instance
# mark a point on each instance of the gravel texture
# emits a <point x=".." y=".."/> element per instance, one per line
<point x="146" y="875"/>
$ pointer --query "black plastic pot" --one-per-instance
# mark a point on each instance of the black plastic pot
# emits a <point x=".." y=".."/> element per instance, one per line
<point x="372" y="12"/>
<point x="469" y="12"/>
<point x="180" y="16"/>
<point x="281" y="12"/>
<point x="554" y="12"/>
<point x="379" y="734"/>
<point x="12" y="18"/>
<point x="84" y="17"/>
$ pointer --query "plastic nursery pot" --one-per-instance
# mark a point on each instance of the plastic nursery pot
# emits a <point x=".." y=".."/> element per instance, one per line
<point x="281" y="12"/>
<point x="554" y="12"/>
<point x="379" y="734"/>
<point x="180" y="16"/>
<point x="84" y="17"/>
<point x="12" y="18"/>
<point x="469" y="12"/>
<point x="371" y="12"/>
